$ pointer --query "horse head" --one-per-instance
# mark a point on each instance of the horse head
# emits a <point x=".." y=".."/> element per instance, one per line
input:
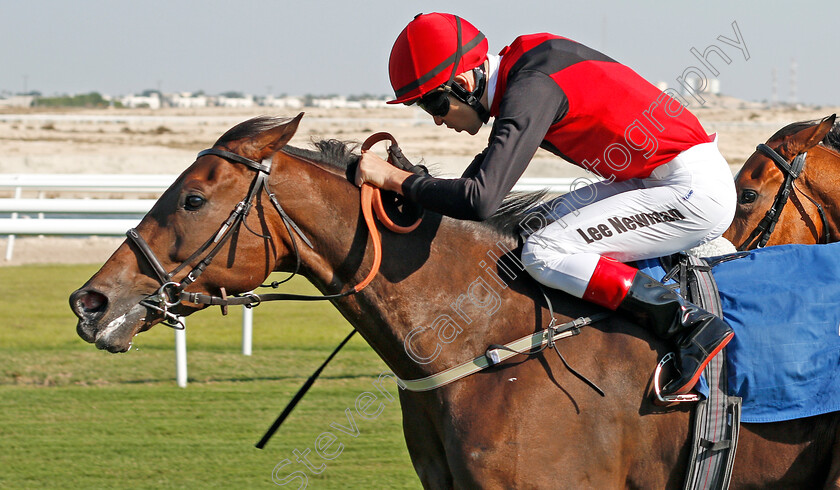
<point x="207" y="232"/>
<point x="772" y="175"/>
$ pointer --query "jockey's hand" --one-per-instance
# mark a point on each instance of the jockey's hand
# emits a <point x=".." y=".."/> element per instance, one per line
<point x="379" y="173"/>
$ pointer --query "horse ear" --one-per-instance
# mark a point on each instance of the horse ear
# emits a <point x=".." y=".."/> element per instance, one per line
<point x="269" y="142"/>
<point x="810" y="137"/>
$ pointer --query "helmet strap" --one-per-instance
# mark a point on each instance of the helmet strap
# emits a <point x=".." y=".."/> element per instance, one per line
<point x="472" y="98"/>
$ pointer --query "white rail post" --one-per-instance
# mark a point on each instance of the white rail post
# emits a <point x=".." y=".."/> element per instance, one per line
<point x="181" y="355"/>
<point x="10" y="245"/>
<point x="247" y="330"/>
<point x="41" y="195"/>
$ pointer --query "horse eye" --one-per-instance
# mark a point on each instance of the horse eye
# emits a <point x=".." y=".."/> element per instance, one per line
<point x="748" y="196"/>
<point x="193" y="202"/>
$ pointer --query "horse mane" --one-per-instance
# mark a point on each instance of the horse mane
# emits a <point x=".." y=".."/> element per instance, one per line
<point x="831" y="140"/>
<point x="335" y="153"/>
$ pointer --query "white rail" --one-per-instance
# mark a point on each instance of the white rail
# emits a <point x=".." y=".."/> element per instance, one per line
<point x="77" y="206"/>
<point x="79" y="227"/>
<point x="88" y="182"/>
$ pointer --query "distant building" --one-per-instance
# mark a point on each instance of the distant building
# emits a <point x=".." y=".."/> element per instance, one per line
<point x="282" y="102"/>
<point x="712" y="86"/>
<point x="18" y="101"/>
<point x="245" y="101"/>
<point x="377" y="103"/>
<point x="338" y="102"/>
<point x="187" y="100"/>
<point x="151" y="101"/>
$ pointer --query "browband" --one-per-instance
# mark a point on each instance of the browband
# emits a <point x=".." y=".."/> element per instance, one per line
<point x="262" y="167"/>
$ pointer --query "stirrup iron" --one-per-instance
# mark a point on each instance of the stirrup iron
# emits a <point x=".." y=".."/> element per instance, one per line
<point x="657" y="389"/>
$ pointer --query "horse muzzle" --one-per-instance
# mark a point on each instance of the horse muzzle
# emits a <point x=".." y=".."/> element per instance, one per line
<point x="102" y="324"/>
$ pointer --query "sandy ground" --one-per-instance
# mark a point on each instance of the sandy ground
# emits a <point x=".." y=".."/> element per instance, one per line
<point x="166" y="141"/>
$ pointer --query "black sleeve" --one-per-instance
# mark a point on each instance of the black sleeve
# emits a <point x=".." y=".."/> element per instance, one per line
<point x="475" y="165"/>
<point x="531" y="104"/>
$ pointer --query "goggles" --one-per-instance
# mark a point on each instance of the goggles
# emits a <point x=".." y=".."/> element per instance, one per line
<point x="436" y="103"/>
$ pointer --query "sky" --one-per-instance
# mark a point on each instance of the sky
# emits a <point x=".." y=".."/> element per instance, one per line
<point x="321" y="47"/>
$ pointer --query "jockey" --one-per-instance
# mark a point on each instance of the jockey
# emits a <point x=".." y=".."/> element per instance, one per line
<point x="666" y="186"/>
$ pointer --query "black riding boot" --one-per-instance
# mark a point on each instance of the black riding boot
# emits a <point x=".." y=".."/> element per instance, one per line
<point x="698" y="334"/>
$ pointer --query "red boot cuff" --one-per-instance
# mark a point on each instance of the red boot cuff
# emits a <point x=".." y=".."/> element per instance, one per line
<point x="609" y="283"/>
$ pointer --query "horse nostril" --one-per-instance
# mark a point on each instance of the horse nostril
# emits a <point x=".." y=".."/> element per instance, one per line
<point x="88" y="303"/>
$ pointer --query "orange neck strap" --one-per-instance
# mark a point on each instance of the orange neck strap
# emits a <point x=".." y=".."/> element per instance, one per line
<point x="372" y="203"/>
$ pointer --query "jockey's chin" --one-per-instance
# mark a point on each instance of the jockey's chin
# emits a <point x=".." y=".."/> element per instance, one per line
<point x="471" y="127"/>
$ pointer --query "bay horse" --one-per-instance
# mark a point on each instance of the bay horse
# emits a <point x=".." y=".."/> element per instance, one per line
<point x="444" y="293"/>
<point x="789" y="189"/>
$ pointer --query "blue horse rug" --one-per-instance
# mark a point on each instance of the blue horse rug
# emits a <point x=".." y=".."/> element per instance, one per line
<point x="783" y="303"/>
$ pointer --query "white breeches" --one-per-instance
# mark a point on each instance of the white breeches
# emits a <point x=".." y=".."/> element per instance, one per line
<point x="684" y="203"/>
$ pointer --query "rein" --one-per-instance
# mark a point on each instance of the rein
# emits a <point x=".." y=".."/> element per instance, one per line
<point x="791" y="172"/>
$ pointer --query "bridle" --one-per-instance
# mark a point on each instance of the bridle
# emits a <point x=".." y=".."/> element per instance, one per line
<point x="791" y="172"/>
<point x="172" y="293"/>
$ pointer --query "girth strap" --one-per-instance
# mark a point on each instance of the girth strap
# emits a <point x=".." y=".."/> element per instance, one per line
<point x="716" y="419"/>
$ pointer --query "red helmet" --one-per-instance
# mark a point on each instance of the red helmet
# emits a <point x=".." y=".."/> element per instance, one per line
<point x="427" y="54"/>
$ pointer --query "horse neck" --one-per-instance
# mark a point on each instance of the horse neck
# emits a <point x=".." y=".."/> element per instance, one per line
<point x="444" y="292"/>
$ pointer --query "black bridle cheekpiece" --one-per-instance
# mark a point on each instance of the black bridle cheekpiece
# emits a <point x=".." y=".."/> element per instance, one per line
<point x="791" y="172"/>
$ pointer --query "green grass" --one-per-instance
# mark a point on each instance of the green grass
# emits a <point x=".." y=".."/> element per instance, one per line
<point x="72" y="416"/>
